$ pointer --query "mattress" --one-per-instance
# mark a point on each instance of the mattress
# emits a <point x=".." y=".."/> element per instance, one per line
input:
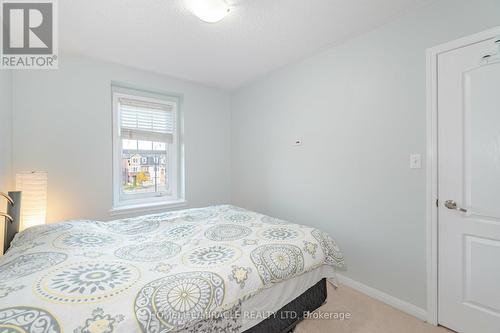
<point x="184" y="271"/>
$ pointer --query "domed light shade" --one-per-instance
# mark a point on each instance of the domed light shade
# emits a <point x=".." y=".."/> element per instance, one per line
<point x="33" y="186"/>
<point x="210" y="11"/>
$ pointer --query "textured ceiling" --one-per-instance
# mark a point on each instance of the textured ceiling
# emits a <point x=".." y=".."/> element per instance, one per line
<point x="257" y="37"/>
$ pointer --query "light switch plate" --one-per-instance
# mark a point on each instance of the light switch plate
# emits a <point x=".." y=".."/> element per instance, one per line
<point x="416" y="161"/>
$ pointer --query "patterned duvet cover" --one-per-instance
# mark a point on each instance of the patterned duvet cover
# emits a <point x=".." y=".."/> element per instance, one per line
<point x="182" y="271"/>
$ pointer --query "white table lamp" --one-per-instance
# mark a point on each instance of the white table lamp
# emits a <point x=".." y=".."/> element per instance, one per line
<point x="34" y="198"/>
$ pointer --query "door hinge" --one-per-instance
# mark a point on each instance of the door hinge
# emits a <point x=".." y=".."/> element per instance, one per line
<point x="437" y="202"/>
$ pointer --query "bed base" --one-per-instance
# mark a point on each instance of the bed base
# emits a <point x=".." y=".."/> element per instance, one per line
<point x="282" y="322"/>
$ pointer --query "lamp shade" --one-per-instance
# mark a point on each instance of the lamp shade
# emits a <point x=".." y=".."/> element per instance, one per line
<point x="33" y="186"/>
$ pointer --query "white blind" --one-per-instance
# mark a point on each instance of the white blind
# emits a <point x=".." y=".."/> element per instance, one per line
<point x="143" y="120"/>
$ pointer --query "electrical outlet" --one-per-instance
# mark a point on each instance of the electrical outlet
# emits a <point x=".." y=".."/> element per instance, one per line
<point x="415" y="161"/>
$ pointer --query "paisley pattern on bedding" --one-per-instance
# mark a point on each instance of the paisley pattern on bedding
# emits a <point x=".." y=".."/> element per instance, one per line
<point x="277" y="262"/>
<point x="211" y="256"/>
<point x="181" y="271"/>
<point x="177" y="300"/>
<point x="87" y="282"/>
<point x="239" y="217"/>
<point x="181" y="231"/>
<point x="240" y="275"/>
<point x="329" y="247"/>
<point x="133" y="226"/>
<point x="196" y="215"/>
<point x="28" y="319"/>
<point x="27" y="264"/>
<point x="100" y="322"/>
<point x="84" y="240"/>
<point x="6" y="290"/>
<point x="227" y="232"/>
<point x="149" y="251"/>
<point x="280" y="233"/>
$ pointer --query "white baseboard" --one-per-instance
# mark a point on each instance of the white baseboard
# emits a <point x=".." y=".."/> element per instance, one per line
<point x="384" y="298"/>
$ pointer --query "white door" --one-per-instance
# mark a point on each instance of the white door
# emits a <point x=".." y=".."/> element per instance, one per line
<point x="469" y="188"/>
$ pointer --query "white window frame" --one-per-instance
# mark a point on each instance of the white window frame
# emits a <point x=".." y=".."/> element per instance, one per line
<point x="125" y="203"/>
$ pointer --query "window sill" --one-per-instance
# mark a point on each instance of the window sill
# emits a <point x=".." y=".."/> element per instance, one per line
<point x="146" y="208"/>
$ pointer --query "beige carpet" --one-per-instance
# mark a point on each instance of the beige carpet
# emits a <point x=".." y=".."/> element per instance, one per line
<point x="367" y="316"/>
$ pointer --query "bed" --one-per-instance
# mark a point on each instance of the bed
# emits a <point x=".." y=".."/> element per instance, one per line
<point x="213" y="269"/>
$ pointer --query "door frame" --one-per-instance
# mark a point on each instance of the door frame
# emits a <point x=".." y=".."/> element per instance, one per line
<point x="432" y="163"/>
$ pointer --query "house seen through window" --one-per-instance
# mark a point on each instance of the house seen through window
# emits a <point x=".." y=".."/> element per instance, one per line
<point x="146" y="148"/>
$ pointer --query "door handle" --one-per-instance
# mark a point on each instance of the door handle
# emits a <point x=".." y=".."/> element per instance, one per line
<point x="451" y="204"/>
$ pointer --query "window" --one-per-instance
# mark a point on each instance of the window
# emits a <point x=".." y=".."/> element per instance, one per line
<point x="147" y="161"/>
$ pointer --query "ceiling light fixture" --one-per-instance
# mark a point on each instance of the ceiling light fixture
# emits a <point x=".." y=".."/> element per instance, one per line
<point x="210" y="11"/>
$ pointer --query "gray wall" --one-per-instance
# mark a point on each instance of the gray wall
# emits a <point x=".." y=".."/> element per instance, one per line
<point x="360" y="110"/>
<point x="5" y="131"/>
<point x="62" y="125"/>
